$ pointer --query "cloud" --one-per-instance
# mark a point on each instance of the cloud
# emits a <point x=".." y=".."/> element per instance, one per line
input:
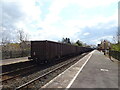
<point x="54" y="10"/>
<point x="46" y="19"/>
<point x="93" y="3"/>
<point x="55" y="27"/>
<point x="97" y="33"/>
<point x="19" y="14"/>
<point x="98" y="40"/>
<point x="86" y="34"/>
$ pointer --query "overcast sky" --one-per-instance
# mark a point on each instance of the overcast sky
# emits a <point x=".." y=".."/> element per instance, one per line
<point x="86" y="20"/>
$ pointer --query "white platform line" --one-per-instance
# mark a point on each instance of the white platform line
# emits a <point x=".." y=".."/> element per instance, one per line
<point x="69" y="85"/>
<point x="61" y="74"/>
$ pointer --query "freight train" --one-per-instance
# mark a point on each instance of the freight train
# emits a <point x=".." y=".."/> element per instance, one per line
<point x="49" y="51"/>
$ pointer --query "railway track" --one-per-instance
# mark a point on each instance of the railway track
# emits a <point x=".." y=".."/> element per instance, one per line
<point x="11" y="75"/>
<point x="15" y="66"/>
<point x="43" y="78"/>
<point x="40" y="76"/>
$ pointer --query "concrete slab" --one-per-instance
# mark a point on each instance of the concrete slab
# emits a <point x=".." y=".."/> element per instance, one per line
<point x="13" y="60"/>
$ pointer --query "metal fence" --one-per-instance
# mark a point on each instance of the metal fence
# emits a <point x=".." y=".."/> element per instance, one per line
<point x="15" y="54"/>
<point x="115" y="54"/>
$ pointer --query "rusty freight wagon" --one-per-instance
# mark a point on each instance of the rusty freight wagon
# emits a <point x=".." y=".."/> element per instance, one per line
<point x="46" y="51"/>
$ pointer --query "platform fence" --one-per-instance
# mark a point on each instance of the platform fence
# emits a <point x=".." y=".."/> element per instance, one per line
<point x="115" y="54"/>
<point x="15" y="54"/>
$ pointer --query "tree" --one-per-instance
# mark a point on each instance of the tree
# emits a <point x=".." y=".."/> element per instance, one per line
<point x="66" y="40"/>
<point x="23" y="39"/>
<point x="5" y="40"/>
<point x="116" y="38"/>
<point x="79" y="43"/>
<point x="118" y="35"/>
<point x="22" y="36"/>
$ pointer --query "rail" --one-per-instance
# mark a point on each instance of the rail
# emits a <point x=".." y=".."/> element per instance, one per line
<point x="13" y="77"/>
<point x="42" y="76"/>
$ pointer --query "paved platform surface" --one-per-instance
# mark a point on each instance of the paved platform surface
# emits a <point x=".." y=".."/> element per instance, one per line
<point x="13" y="60"/>
<point x="92" y="71"/>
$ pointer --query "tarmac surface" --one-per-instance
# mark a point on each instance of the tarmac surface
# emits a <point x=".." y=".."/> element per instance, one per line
<point x="13" y="60"/>
<point x="92" y="71"/>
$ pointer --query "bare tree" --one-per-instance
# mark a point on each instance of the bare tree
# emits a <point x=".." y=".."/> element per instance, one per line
<point x="22" y="36"/>
<point x="23" y="39"/>
<point x="116" y="38"/>
<point x="5" y="38"/>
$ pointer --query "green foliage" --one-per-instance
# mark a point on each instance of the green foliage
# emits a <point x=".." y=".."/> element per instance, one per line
<point x="66" y="40"/>
<point x="115" y="47"/>
<point x="78" y="43"/>
<point x="14" y="50"/>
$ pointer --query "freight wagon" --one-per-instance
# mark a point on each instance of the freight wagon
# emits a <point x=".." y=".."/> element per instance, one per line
<point x="47" y="51"/>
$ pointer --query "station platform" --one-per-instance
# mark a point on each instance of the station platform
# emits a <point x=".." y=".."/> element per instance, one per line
<point x="13" y="60"/>
<point x="92" y="71"/>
